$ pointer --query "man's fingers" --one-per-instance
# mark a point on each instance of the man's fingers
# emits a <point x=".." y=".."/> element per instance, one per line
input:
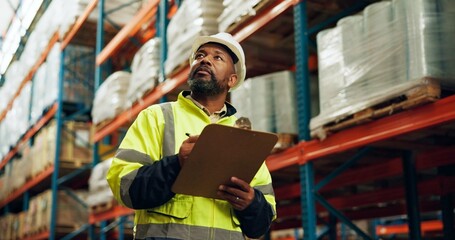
<point x="192" y="139"/>
<point x="242" y="184"/>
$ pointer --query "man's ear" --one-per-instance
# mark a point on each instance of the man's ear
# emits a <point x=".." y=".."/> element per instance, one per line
<point x="232" y="80"/>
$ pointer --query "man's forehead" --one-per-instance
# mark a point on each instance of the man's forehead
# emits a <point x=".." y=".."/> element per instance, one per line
<point x="219" y="47"/>
<point x="222" y="48"/>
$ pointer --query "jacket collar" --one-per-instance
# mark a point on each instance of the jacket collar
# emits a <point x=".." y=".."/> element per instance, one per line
<point x="230" y="110"/>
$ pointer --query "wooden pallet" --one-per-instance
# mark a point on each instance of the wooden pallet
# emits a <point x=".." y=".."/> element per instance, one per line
<point x="417" y="96"/>
<point x="102" y="124"/>
<point x="73" y="164"/>
<point x="285" y="141"/>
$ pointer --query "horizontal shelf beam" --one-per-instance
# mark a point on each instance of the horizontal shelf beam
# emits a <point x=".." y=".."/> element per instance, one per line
<point x="31" y="132"/>
<point x="289" y="157"/>
<point x="30" y="74"/>
<point x="129" y="30"/>
<point x="78" y="24"/>
<point x="28" y="185"/>
<point x="148" y="100"/>
<point x="426" y="226"/>
<point x="439" y="112"/>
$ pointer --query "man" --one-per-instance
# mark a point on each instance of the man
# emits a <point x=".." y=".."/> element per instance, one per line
<point x="156" y="147"/>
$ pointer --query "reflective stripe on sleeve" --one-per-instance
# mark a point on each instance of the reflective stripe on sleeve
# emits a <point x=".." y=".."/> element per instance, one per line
<point x="168" y="136"/>
<point x="266" y="189"/>
<point x="131" y="155"/>
<point x="125" y="184"/>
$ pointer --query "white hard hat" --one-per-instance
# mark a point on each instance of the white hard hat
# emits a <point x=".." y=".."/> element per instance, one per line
<point x="227" y="40"/>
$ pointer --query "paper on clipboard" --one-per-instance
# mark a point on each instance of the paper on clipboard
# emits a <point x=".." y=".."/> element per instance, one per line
<point x="220" y="153"/>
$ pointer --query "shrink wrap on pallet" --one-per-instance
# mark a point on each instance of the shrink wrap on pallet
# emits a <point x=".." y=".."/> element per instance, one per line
<point x="145" y="70"/>
<point x="111" y="97"/>
<point x="193" y="18"/>
<point x="269" y="101"/>
<point x="234" y="10"/>
<point x="387" y="50"/>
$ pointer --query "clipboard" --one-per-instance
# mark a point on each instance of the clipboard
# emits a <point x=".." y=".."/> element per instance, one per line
<point x="220" y="153"/>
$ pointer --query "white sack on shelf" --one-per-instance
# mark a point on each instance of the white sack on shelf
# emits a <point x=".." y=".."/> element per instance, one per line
<point x="193" y="18"/>
<point x="145" y="70"/>
<point x="99" y="191"/>
<point x="234" y="10"/>
<point x="111" y="97"/>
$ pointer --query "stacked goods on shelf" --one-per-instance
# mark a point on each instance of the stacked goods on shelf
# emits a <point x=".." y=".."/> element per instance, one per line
<point x="395" y="54"/>
<point x="74" y="152"/>
<point x="192" y="19"/>
<point x="110" y="97"/>
<point x="269" y="101"/>
<point x="13" y="78"/>
<point x="66" y="12"/>
<point x="234" y="10"/>
<point x="75" y="148"/>
<point x="145" y="70"/>
<point x="70" y="213"/>
<point x="40" y="156"/>
<point x="16" y="122"/>
<point x="6" y="226"/>
<point x="100" y="196"/>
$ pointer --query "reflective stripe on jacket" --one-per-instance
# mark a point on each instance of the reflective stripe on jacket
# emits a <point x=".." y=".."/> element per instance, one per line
<point x="146" y="165"/>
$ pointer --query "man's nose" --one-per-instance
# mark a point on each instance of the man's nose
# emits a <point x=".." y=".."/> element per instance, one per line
<point x="206" y="60"/>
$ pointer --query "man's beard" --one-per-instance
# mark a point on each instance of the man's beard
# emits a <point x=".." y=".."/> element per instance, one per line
<point x="204" y="87"/>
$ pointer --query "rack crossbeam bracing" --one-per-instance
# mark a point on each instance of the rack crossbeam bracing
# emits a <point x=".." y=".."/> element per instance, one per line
<point x="129" y="30"/>
<point x="78" y="24"/>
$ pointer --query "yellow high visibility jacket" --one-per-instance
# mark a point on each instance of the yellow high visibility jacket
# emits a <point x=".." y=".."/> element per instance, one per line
<point x="146" y="165"/>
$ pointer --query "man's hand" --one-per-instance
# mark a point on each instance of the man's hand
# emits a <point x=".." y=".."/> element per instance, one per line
<point x="240" y="194"/>
<point x="186" y="148"/>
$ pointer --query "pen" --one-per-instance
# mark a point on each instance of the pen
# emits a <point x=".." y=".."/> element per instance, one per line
<point x="187" y="134"/>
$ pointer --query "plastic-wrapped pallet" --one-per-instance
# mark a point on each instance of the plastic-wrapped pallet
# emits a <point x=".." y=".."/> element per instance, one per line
<point x="269" y="101"/>
<point x="111" y="97"/>
<point x="284" y="98"/>
<point x="39" y="91"/>
<point x="99" y="190"/>
<point x="253" y="101"/>
<point x="21" y="109"/>
<point x="145" y="70"/>
<point x="234" y="10"/>
<point x="398" y="47"/>
<point x="431" y="35"/>
<point x="193" y="18"/>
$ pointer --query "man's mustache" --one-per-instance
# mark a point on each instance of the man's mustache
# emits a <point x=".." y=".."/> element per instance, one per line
<point x="202" y="68"/>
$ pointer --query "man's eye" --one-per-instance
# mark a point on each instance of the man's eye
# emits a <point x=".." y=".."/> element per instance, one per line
<point x="218" y="58"/>
<point x="199" y="55"/>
